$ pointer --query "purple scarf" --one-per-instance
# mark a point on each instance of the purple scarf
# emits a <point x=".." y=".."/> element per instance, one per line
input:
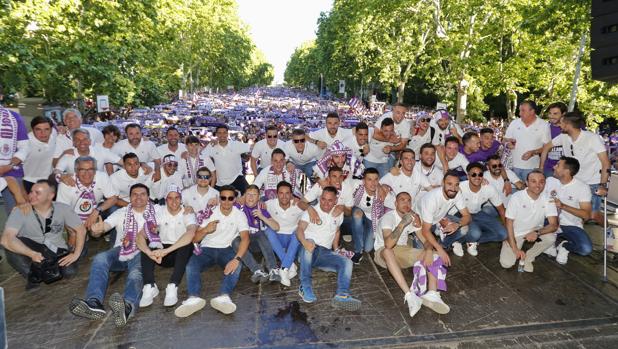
<point x="202" y="215"/>
<point x="128" y="249"/>
<point x="337" y="148"/>
<point x="437" y="269"/>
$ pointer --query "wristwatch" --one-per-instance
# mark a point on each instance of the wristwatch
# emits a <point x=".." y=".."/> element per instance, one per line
<point x="238" y="258"/>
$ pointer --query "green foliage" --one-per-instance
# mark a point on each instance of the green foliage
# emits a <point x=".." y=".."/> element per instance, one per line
<point x="133" y="51"/>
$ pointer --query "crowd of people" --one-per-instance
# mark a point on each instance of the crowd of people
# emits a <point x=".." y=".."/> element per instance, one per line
<point x="405" y="193"/>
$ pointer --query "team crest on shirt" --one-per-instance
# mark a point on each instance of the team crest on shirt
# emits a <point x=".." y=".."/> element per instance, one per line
<point x="85" y="206"/>
<point x="6" y="149"/>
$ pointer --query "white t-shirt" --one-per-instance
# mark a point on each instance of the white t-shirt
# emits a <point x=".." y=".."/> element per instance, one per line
<point x="310" y="153"/>
<point x="227" y="160"/>
<point x="228" y="228"/>
<point x="38" y="163"/>
<point x="389" y="221"/>
<point x="64" y="142"/>
<point x="191" y="197"/>
<point x="570" y="194"/>
<point x="527" y="138"/>
<point x="434" y="206"/>
<point x="263" y="152"/>
<point x="146" y="151"/>
<point x="458" y="161"/>
<point x="287" y="218"/>
<point x="323" y="135"/>
<point x="164" y="150"/>
<point x="412" y="184"/>
<point x="352" y="143"/>
<point x="585" y="149"/>
<point x="417" y="142"/>
<point x="528" y="214"/>
<point x="434" y="174"/>
<point x="498" y="183"/>
<point x="81" y="206"/>
<point x="344" y="196"/>
<point x="324" y="233"/>
<point x="122" y="182"/>
<point x="376" y="151"/>
<point x="474" y="201"/>
<point x="66" y="164"/>
<point x="159" y="188"/>
<point x="116" y="220"/>
<point x="172" y="227"/>
<point x="401" y="129"/>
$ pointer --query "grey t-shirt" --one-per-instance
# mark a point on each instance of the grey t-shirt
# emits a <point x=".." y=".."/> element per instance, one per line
<point x="28" y="226"/>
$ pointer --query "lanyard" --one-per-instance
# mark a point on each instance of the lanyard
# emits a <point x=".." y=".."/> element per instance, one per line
<point x="51" y="217"/>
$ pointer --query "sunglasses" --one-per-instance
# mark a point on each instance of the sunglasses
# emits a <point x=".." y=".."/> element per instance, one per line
<point x="496" y="166"/>
<point x="475" y="174"/>
<point x="299" y="140"/>
<point x="362" y="153"/>
<point x="572" y="150"/>
<point x="227" y="198"/>
<point x="425" y="119"/>
<point x="368" y="201"/>
<point x="203" y="176"/>
<point x="271" y="136"/>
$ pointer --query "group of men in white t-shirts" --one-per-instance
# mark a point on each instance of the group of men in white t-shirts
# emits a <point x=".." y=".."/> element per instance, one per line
<point x="395" y="188"/>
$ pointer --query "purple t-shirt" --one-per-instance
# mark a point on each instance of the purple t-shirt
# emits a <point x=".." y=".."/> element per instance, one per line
<point x="22" y="135"/>
<point x="481" y="155"/>
<point x="556" y="152"/>
<point x="255" y="224"/>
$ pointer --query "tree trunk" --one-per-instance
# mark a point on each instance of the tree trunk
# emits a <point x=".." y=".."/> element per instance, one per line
<point x="511" y="103"/>
<point x="578" y="68"/>
<point x="400" y="91"/>
<point x="462" y="99"/>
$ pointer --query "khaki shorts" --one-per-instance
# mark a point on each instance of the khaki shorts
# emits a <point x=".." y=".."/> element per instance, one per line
<point x="406" y="256"/>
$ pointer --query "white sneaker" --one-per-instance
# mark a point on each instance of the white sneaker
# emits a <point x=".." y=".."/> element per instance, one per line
<point x="148" y="295"/>
<point x="433" y="301"/>
<point x="292" y="271"/>
<point x="551" y="251"/>
<point x="414" y="303"/>
<point x="472" y="251"/>
<point x="458" y="249"/>
<point x="190" y="306"/>
<point x="284" y="274"/>
<point x="562" y="256"/>
<point x="171" y="295"/>
<point x="223" y="303"/>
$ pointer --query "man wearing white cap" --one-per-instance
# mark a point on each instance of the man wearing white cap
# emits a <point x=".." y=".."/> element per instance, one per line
<point x="169" y="176"/>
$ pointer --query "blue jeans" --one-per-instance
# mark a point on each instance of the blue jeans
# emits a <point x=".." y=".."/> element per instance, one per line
<point x="306" y="168"/>
<point x="107" y="261"/>
<point x="595" y="200"/>
<point x="284" y="245"/>
<point x="257" y="241"/>
<point x="382" y="168"/>
<point x="326" y="260"/>
<point x="209" y="257"/>
<point x="361" y="229"/>
<point x="489" y="228"/>
<point x="577" y="239"/>
<point x="522" y="173"/>
<point x="9" y="199"/>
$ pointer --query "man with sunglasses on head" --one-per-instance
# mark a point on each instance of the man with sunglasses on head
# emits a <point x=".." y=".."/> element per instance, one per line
<point x="37" y="235"/>
<point x="169" y="176"/>
<point x="422" y="133"/>
<point x="500" y="177"/>
<point x="263" y="149"/>
<point x="588" y="148"/>
<point x="530" y="216"/>
<point x="215" y="236"/>
<point x="302" y="153"/>
<point x="483" y="227"/>
<point x="227" y="157"/>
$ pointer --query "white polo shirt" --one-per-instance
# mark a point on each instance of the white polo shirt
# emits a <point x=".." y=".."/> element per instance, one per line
<point x="287" y="218"/>
<point x="227" y="160"/>
<point x="402" y="129"/>
<point x="324" y="233"/>
<point x="434" y="206"/>
<point x="474" y="201"/>
<point x="146" y="151"/>
<point x="498" y="183"/>
<point x="72" y="195"/>
<point x="262" y="151"/>
<point x="572" y="194"/>
<point x="191" y="197"/>
<point x="38" y="163"/>
<point x="64" y="142"/>
<point x="352" y="143"/>
<point x="585" y="149"/>
<point x="164" y="149"/>
<point x="417" y="141"/>
<point x="66" y="164"/>
<point x="411" y="184"/>
<point x="459" y="160"/>
<point x="528" y="214"/>
<point x="228" y="228"/>
<point x="172" y="227"/>
<point x="376" y="151"/>
<point x="344" y="196"/>
<point x="309" y="154"/>
<point x="323" y="135"/>
<point x="390" y="221"/>
<point x="366" y="202"/>
<point x="434" y="174"/>
<point x="122" y="182"/>
<point x="527" y="138"/>
<point x="159" y="188"/>
<point x="116" y="220"/>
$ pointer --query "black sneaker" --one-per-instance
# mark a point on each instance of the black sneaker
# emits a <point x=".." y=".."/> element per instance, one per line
<point x="90" y="309"/>
<point x="357" y="258"/>
<point x="120" y="309"/>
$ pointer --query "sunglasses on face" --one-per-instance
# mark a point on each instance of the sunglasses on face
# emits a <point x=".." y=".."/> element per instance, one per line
<point x="299" y="140"/>
<point x="425" y="119"/>
<point x="475" y="174"/>
<point x="227" y="198"/>
<point x="271" y="136"/>
<point x="496" y="166"/>
<point x="203" y="176"/>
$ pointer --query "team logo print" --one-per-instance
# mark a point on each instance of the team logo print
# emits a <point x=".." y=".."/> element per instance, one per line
<point x="85" y="206"/>
<point x="6" y="149"/>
